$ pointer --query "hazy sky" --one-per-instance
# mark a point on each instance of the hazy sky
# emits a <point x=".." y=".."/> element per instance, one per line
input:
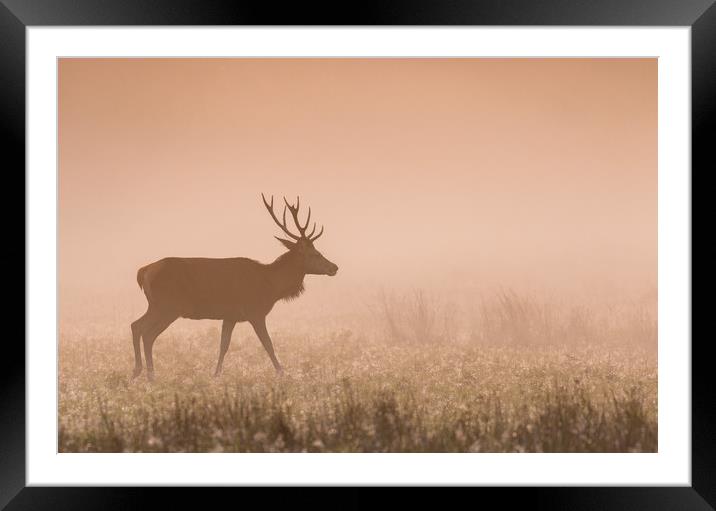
<point x="423" y="171"/>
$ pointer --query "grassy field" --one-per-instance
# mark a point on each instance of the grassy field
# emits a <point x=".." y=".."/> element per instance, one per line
<point x="504" y="380"/>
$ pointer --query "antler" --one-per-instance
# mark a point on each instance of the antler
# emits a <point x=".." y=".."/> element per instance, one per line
<point x="314" y="238"/>
<point x="294" y="214"/>
<point x="283" y="227"/>
<point x="302" y="228"/>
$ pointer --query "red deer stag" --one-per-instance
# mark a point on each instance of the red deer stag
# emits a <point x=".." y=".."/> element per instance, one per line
<point x="232" y="290"/>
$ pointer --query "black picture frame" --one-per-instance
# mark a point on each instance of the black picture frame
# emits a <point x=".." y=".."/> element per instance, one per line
<point x="17" y="15"/>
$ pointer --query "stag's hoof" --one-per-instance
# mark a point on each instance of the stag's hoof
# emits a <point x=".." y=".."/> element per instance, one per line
<point x="279" y="372"/>
<point x="150" y="376"/>
<point x="137" y="372"/>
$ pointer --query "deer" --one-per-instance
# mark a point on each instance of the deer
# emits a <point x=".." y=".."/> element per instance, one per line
<point x="232" y="290"/>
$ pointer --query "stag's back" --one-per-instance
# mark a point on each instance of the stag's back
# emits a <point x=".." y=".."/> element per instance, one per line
<point x="203" y="288"/>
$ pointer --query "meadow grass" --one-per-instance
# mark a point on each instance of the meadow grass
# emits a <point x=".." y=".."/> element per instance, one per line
<point x="365" y="392"/>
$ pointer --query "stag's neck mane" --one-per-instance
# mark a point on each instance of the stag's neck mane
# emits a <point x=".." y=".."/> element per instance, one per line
<point x="286" y="277"/>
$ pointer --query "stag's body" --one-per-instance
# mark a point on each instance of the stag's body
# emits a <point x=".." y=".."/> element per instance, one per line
<point x="232" y="290"/>
<point x="237" y="289"/>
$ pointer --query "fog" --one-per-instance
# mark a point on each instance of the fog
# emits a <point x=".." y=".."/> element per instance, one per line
<point x="494" y="221"/>
<point x="454" y="176"/>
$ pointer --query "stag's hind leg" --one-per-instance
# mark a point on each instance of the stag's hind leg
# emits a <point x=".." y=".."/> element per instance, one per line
<point x="158" y="323"/>
<point x="137" y="329"/>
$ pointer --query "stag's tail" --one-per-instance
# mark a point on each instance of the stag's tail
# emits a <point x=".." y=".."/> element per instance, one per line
<point x="142" y="281"/>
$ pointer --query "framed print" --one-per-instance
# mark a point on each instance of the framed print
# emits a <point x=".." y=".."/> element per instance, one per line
<point x="442" y="253"/>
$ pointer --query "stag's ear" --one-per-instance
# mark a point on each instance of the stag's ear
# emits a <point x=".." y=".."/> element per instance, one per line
<point x="288" y="244"/>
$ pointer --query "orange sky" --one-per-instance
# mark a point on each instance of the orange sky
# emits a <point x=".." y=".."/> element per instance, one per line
<point x="424" y="171"/>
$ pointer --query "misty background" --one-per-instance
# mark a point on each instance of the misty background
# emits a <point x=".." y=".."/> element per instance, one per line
<point x="454" y="176"/>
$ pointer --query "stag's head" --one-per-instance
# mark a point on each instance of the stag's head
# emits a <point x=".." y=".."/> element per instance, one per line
<point x="301" y="245"/>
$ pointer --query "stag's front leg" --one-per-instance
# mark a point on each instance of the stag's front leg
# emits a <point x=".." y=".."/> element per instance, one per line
<point x="227" y="327"/>
<point x="260" y="329"/>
